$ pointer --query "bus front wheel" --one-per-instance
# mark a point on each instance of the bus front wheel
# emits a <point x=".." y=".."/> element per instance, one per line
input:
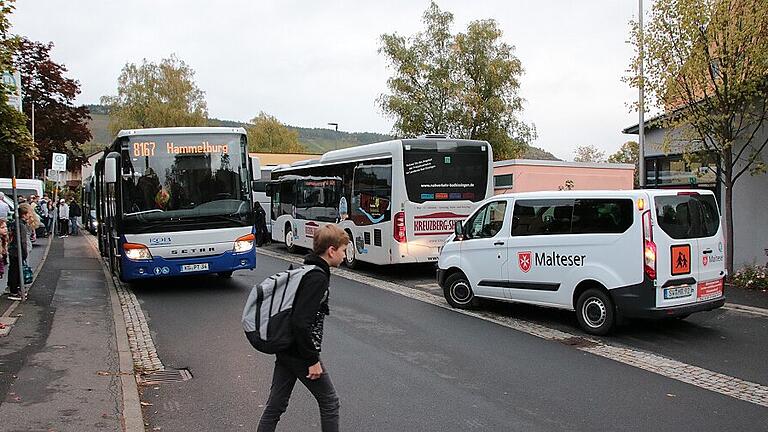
<point x="350" y="256"/>
<point x="289" y="243"/>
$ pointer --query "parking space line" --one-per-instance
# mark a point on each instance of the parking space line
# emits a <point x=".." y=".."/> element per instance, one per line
<point x="747" y="309"/>
<point x="703" y="378"/>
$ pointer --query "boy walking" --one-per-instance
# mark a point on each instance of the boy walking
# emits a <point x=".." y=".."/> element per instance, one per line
<point x="302" y="360"/>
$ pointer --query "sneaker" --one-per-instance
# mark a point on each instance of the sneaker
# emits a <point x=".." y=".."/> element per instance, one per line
<point x="14" y="297"/>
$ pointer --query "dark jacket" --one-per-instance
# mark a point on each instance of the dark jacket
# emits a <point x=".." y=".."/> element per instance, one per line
<point x="12" y="250"/>
<point x="74" y="210"/>
<point x="309" y="310"/>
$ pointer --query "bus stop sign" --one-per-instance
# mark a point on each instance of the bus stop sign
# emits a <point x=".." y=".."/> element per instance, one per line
<point x="59" y="162"/>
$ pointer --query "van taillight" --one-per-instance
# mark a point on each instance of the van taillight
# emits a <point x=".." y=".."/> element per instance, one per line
<point x="399" y="231"/>
<point x="649" y="247"/>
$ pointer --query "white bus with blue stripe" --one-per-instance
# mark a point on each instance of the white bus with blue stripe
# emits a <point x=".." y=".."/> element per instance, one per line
<point x="176" y="201"/>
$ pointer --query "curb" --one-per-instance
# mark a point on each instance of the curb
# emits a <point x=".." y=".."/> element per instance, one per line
<point x="133" y="419"/>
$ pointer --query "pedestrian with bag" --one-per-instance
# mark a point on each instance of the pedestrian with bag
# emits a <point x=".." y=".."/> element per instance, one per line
<point x="14" y="277"/>
<point x="300" y="360"/>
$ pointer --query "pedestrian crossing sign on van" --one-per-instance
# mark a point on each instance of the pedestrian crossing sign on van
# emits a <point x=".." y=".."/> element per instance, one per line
<point x="681" y="259"/>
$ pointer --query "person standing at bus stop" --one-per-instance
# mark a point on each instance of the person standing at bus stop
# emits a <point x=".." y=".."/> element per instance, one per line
<point x="63" y="212"/>
<point x="14" y="276"/>
<point x="74" y="217"/>
<point x="5" y="209"/>
<point x="302" y="360"/>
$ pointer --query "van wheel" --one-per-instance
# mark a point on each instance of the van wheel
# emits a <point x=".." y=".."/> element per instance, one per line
<point x="458" y="292"/>
<point x="350" y="256"/>
<point x="289" y="244"/>
<point x="595" y="312"/>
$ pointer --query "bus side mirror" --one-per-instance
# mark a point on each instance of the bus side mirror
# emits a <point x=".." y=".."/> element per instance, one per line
<point x="458" y="229"/>
<point x="268" y="190"/>
<point x="255" y="168"/>
<point x="110" y="170"/>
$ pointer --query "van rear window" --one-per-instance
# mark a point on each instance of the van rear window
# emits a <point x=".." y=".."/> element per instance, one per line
<point x="687" y="216"/>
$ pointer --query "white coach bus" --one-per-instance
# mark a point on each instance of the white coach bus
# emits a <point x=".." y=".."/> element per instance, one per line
<point x="398" y="201"/>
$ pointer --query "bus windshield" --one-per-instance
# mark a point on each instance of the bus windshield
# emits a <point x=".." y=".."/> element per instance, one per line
<point x="185" y="177"/>
<point x="445" y="171"/>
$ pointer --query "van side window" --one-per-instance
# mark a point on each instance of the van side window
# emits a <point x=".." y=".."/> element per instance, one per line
<point x="602" y="216"/>
<point x="542" y="217"/>
<point x="487" y="222"/>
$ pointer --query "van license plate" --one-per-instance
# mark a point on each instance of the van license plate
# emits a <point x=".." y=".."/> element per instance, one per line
<point x="677" y="292"/>
<point x="194" y="267"/>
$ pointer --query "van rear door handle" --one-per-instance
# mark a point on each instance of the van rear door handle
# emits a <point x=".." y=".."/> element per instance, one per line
<point x="706" y="251"/>
<point x="499" y="243"/>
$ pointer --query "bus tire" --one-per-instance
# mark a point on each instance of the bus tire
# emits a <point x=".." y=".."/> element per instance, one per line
<point x="458" y="292"/>
<point x="225" y="275"/>
<point x="288" y="239"/>
<point x="350" y="257"/>
<point x="595" y="312"/>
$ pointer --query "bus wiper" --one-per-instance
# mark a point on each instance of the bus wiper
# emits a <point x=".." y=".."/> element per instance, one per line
<point x="143" y="212"/>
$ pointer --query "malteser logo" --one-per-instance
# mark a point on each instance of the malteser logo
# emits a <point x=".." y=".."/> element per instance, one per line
<point x="524" y="261"/>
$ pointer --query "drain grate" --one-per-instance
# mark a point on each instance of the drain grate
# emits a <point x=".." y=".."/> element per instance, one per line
<point x="578" y="342"/>
<point x="165" y="376"/>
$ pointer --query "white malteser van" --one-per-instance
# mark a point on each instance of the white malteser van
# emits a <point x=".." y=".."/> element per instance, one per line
<point x="604" y="254"/>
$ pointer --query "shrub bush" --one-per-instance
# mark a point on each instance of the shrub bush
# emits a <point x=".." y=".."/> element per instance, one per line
<point x="754" y="277"/>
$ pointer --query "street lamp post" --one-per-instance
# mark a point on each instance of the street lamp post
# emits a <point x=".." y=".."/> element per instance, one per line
<point x="336" y="125"/>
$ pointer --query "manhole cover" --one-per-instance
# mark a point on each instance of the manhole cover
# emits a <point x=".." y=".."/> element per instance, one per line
<point x="165" y="376"/>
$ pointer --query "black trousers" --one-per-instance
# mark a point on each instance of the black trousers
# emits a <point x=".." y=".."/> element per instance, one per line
<point x="63" y="227"/>
<point x="14" y="281"/>
<point x="287" y="370"/>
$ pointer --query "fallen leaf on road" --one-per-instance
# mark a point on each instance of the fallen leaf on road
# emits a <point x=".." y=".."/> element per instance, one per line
<point x="146" y="404"/>
<point x="671" y="395"/>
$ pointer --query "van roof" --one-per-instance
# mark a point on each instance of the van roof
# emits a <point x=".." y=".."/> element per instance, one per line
<point x="633" y="193"/>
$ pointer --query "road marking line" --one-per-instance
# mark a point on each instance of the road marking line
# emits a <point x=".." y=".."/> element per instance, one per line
<point x="746" y="309"/>
<point x="703" y="378"/>
<point x="133" y="419"/>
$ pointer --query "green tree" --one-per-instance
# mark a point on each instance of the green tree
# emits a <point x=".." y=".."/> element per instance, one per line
<point x="156" y="95"/>
<point x="14" y="135"/>
<point x="706" y="64"/>
<point x="628" y="153"/>
<point x="267" y="135"/>
<point x="589" y="153"/>
<point x="465" y="85"/>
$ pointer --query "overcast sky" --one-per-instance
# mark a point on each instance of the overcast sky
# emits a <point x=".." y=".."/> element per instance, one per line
<point x="309" y="63"/>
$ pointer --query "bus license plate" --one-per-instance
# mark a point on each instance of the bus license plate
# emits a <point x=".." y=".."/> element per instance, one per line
<point x="677" y="292"/>
<point x="194" y="267"/>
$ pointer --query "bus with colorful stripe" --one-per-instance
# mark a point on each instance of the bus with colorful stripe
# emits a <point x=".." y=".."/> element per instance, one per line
<point x="176" y="201"/>
<point x="398" y="200"/>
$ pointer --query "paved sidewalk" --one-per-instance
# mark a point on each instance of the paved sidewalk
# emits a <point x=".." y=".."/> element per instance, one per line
<point x="59" y="365"/>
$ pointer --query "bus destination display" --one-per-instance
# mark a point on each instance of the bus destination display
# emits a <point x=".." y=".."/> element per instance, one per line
<point x="149" y="148"/>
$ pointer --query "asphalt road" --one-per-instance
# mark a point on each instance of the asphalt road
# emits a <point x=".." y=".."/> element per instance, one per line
<point x="403" y="365"/>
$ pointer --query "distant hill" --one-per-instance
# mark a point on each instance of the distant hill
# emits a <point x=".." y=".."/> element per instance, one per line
<point x="315" y="140"/>
<point x="538" y="154"/>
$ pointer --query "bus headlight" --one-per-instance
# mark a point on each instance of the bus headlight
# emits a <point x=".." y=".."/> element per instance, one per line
<point x="136" y="251"/>
<point x="244" y="243"/>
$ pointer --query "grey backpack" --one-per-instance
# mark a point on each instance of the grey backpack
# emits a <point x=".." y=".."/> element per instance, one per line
<point x="267" y="313"/>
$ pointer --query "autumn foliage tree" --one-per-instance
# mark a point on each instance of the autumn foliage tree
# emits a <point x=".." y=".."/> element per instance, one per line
<point x="60" y="126"/>
<point x="465" y="85"/>
<point x="267" y="135"/>
<point x="14" y="136"/>
<point x="706" y="68"/>
<point x="156" y="95"/>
